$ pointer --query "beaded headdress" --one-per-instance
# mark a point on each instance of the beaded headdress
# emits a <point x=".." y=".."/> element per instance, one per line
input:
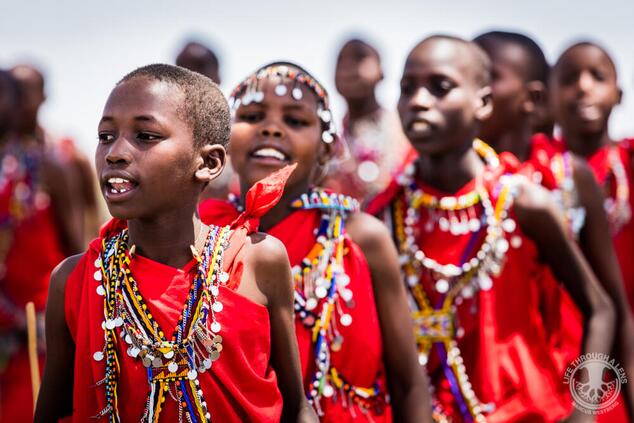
<point x="249" y="91"/>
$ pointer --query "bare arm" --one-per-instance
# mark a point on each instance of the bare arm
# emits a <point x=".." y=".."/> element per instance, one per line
<point x="270" y="264"/>
<point x="55" y="399"/>
<point x="539" y="218"/>
<point x="407" y="380"/>
<point x="596" y="244"/>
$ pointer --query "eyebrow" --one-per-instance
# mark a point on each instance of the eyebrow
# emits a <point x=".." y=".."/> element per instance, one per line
<point x="140" y="118"/>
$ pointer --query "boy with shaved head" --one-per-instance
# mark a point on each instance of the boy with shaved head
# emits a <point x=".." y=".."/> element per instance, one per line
<point x="471" y="236"/>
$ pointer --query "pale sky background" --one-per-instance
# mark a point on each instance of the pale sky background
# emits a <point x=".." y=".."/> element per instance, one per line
<point x="84" y="47"/>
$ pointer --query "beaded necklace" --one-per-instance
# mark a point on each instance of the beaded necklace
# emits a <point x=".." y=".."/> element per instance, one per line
<point x="172" y="365"/>
<point x="566" y="193"/>
<point x="321" y="286"/>
<point x="618" y="208"/>
<point x="437" y="325"/>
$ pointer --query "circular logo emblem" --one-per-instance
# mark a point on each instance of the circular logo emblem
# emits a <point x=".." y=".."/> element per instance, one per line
<point x="595" y="381"/>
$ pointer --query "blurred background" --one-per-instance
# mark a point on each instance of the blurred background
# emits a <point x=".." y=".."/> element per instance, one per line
<point x="84" y="48"/>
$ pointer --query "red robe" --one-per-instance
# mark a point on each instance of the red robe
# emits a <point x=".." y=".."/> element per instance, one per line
<point x="624" y="239"/>
<point x="241" y="386"/>
<point x="35" y="249"/>
<point x="563" y="321"/>
<point x="360" y="357"/>
<point x="504" y="347"/>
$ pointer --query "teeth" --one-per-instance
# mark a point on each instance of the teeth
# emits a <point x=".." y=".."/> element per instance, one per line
<point x="270" y="153"/>
<point x="117" y="181"/>
<point x="420" y="126"/>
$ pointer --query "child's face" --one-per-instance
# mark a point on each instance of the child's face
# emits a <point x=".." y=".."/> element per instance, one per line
<point x="584" y="90"/>
<point x="358" y="71"/>
<point x="146" y="160"/>
<point x="441" y="100"/>
<point x="278" y="131"/>
<point x="509" y="91"/>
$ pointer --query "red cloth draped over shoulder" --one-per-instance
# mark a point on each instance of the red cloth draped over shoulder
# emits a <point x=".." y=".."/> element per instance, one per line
<point x="240" y="387"/>
<point x="360" y="359"/>
<point x="504" y="346"/>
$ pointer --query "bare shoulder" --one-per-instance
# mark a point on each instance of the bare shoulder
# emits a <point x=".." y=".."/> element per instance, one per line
<point x="535" y="208"/>
<point x="267" y="257"/>
<point x="367" y="231"/>
<point x="582" y="172"/>
<point x="530" y="197"/>
<point x="265" y="251"/>
<point x="60" y="275"/>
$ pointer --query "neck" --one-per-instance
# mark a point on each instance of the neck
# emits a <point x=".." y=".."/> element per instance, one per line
<point x="362" y="108"/>
<point x="449" y="172"/>
<point x="516" y="141"/>
<point x="585" y="145"/>
<point x="167" y="239"/>
<point x="282" y="209"/>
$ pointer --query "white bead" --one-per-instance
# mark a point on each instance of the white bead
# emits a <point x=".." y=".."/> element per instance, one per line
<point x="346" y="320"/>
<point x="98" y="262"/>
<point x="98" y="275"/>
<point x="100" y="290"/>
<point x="442" y="286"/>
<point x="215" y="327"/>
<point x="217" y="306"/>
<point x="98" y="356"/>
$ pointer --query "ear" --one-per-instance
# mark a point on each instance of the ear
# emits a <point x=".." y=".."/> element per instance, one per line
<point x="536" y="96"/>
<point x="485" y="103"/>
<point x="211" y="161"/>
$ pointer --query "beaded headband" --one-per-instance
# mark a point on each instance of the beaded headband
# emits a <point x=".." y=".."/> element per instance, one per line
<point x="249" y="91"/>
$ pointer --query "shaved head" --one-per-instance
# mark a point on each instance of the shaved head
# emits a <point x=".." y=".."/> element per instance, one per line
<point x="590" y="46"/>
<point x="475" y="60"/>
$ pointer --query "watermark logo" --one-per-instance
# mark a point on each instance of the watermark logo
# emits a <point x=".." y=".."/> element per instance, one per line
<point x="595" y="381"/>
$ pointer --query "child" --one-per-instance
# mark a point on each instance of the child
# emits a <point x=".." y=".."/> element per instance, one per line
<point x="162" y="138"/>
<point x="372" y="133"/>
<point x="470" y="238"/>
<point x="36" y="232"/>
<point x="355" y="337"/>
<point x="584" y="92"/>
<point x="520" y="74"/>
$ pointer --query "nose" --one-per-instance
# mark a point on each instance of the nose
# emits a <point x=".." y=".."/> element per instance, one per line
<point x="422" y="99"/>
<point x="271" y="130"/>
<point x="118" y="152"/>
<point x="585" y="82"/>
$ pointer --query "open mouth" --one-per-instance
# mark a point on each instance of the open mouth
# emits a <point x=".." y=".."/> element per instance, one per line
<point x="270" y="154"/>
<point x="118" y="188"/>
<point x="588" y="111"/>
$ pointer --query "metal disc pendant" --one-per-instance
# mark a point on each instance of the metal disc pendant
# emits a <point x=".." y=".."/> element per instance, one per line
<point x="442" y="286"/>
<point x="172" y="367"/>
<point x="98" y="356"/>
<point x="297" y="93"/>
<point x="281" y="90"/>
<point x="192" y="374"/>
<point x="346" y="320"/>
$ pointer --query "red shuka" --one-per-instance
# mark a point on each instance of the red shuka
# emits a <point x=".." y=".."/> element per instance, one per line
<point x="241" y="386"/>
<point x="504" y="346"/>
<point x="563" y="321"/>
<point x="624" y="239"/>
<point x="360" y="358"/>
<point x="35" y="249"/>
